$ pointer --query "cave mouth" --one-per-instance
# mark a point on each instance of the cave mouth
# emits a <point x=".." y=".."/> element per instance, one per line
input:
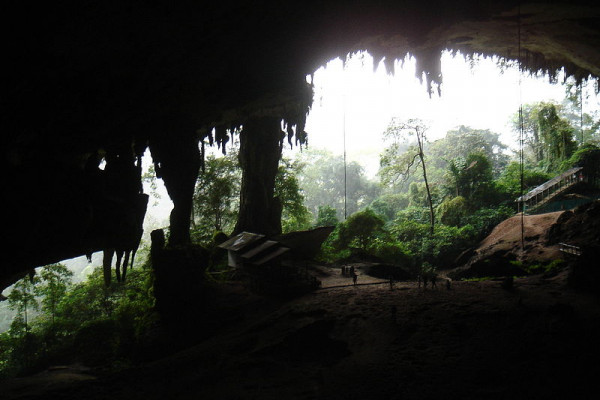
<point x="183" y="103"/>
<point x="355" y="99"/>
<point x="95" y="67"/>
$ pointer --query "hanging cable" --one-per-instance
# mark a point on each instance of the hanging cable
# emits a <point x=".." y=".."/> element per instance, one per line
<point x="581" y="110"/>
<point x="345" y="166"/>
<point x="521" y="134"/>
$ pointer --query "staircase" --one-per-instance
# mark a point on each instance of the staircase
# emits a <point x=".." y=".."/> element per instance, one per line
<point x="549" y="190"/>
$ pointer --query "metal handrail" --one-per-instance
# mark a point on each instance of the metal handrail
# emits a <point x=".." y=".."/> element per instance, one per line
<point x="570" y="249"/>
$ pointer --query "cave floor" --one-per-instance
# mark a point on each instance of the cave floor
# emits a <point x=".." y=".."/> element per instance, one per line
<point x="472" y="341"/>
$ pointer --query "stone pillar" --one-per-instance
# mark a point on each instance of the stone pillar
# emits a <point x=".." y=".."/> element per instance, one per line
<point x="260" y="152"/>
<point x="177" y="162"/>
<point x="179" y="285"/>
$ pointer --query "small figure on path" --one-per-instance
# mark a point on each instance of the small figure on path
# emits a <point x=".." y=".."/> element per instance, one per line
<point x="428" y="274"/>
<point x="354" y="277"/>
<point x="391" y="282"/>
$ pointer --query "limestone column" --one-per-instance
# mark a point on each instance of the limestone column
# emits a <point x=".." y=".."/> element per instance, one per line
<point x="177" y="162"/>
<point x="259" y="155"/>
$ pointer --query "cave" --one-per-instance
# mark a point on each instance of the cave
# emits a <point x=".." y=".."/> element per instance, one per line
<point x="87" y="78"/>
<point x="90" y="81"/>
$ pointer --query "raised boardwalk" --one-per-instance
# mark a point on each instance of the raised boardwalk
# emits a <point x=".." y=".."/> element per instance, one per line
<point x="550" y="189"/>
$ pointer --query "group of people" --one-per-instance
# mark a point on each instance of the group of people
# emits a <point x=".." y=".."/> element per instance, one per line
<point x="432" y="277"/>
<point x="428" y="276"/>
<point x="350" y="271"/>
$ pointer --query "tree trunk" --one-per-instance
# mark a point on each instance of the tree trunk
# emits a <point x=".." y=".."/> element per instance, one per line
<point x="260" y="152"/>
<point x="539" y="149"/>
<point x="422" y="157"/>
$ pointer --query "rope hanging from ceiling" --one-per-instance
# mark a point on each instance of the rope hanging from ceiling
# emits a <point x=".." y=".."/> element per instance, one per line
<point x="521" y="134"/>
<point x="345" y="165"/>
<point x="581" y="111"/>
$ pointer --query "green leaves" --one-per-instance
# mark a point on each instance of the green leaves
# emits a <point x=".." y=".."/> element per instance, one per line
<point x="326" y="216"/>
<point x="548" y="136"/>
<point x="295" y="216"/>
<point x="216" y="197"/>
<point x="509" y="183"/>
<point x="360" y="230"/>
<point x="73" y="317"/>
<point x="55" y="280"/>
<point x="22" y="299"/>
<point x="588" y="157"/>
<point x="322" y="182"/>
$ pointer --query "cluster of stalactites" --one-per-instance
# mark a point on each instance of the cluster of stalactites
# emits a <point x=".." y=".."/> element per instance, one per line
<point x="535" y="64"/>
<point x="218" y="135"/>
<point x="291" y="110"/>
<point x="428" y="64"/>
<point x="292" y="130"/>
<point x="429" y="67"/>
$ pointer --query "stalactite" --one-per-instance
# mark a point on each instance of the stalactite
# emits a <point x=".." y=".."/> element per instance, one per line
<point x="429" y="63"/>
<point x="290" y="134"/>
<point x="390" y="65"/>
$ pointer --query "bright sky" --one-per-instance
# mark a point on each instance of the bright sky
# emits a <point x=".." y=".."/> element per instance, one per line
<point x="479" y="96"/>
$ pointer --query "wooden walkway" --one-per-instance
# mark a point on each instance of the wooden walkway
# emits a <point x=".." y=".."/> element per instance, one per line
<point x="549" y="190"/>
<point x="570" y="249"/>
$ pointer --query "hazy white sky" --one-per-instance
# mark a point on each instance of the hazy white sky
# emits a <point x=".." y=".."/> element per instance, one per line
<point x="479" y="95"/>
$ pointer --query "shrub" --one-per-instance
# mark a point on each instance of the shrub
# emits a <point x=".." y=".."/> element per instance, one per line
<point x="326" y="216"/>
<point x="360" y="230"/>
<point x="452" y="211"/>
<point x="393" y="252"/>
<point x="546" y="268"/>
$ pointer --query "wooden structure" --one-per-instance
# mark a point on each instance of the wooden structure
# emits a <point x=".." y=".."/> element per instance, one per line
<point x="550" y="189"/>
<point x="570" y="249"/>
<point x="264" y="262"/>
<point x="251" y="249"/>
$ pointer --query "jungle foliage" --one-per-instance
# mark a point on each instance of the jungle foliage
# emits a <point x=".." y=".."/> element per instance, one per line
<point x="217" y="196"/>
<point x="326" y="181"/>
<point x="472" y="183"/>
<point x="58" y="322"/>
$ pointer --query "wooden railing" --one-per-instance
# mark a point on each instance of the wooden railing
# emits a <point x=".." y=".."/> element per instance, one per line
<point x="570" y="249"/>
<point x="550" y="189"/>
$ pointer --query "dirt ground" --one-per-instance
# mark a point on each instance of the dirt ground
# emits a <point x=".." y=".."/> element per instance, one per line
<point x="475" y="340"/>
<point x="507" y="237"/>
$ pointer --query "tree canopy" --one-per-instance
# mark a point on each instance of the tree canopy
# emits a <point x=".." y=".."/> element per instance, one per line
<point x="548" y="137"/>
<point x="322" y="182"/>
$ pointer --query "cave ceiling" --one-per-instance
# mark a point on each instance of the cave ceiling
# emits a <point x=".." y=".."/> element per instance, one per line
<point x="84" y="76"/>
